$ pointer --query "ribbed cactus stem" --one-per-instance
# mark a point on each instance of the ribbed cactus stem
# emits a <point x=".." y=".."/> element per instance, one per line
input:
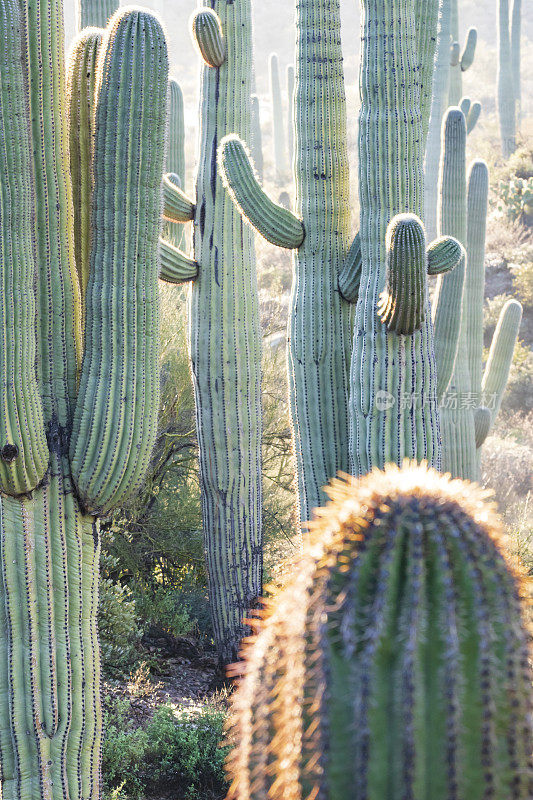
<point x="115" y="422"/>
<point x="460" y="61"/>
<point x="443" y="255"/>
<point x="95" y="13"/>
<point x="81" y="84"/>
<point x="50" y="708"/>
<point x="393" y="400"/>
<point x="500" y="357"/>
<point x="506" y="87"/>
<point x="438" y="107"/>
<point x="452" y="220"/>
<point x="177" y="206"/>
<point x="350" y="273"/>
<point x="516" y="49"/>
<point x="175" y="163"/>
<point x="474" y="291"/>
<point x="23" y="446"/>
<point x="395" y="664"/>
<point x="401" y="306"/>
<point x="290" y="111"/>
<point x="278" y="133"/>
<point x="256" y="143"/>
<point x="276" y="223"/>
<point x="319" y="320"/>
<point x="208" y="37"/>
<point x="225" y="338"/>
<point x="473" y="116"/>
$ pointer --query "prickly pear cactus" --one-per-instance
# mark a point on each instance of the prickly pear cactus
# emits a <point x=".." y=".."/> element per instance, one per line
<point x="68" y="453"/>
<point x="395" y="664"/>
<point x="225" y="339"/>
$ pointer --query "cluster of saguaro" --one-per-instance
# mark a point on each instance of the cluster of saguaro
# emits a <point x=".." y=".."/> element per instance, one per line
<point x="319" y="321"/>
<point x="68" y="453"/>
<point x="469" y="402"/>
<point x="509" y="93"/>
<point x="396" y="663"/>
<point x="225" y="336"/>
<point x="392" y="357"/>
<point x="95" y="13"/>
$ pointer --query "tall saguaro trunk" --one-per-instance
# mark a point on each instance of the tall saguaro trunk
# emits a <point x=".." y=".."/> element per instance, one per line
<point x="226" y="345"/>
<point x="66" y="456"/>
<point x="393" y="377"/>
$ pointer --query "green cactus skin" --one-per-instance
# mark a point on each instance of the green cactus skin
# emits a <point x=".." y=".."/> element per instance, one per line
<point x="175" y="163"/>
<point x="473" y="116"/>
<point x="387" y="367"/>
<point x="350" y="273"/>
<point x="443" y="255"/>
<point x="320" y="320"/>
<point x="452" y="200"/>
<point x="506" y="84"/>
<point x="208" y="37"/>
<point x="459" y="61"/>
<point x="177" y="206"/>
<point x="50" y="710"/>
<point x="81" y="82"/>
<point x="95" y="13"/>
<point x="395" y="664"/>
<point x="516" y="36"/>
<point x="278" y="134"/>
<point x="500" y="357"/>
<point x="225" y="338"/>
<point x="290" y="111"/>
<point x="257" y="138"/>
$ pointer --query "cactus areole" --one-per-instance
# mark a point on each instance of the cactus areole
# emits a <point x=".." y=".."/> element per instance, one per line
<point x="395" y="663"/>
<point x="76" y="433"/>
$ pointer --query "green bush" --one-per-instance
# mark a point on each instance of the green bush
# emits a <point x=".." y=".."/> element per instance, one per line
<point x="178" y="749"/>
<point x="521" y="267"/>
<point x="118" y="623"/>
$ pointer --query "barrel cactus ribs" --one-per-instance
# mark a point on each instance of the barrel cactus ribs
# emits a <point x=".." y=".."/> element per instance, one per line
<point x="395" y="663"/>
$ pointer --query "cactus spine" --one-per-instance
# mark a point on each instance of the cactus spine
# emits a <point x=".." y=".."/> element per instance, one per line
<point x="393" y="400"/>
<point x="50" y="713"/>
<point x="507" y="71"/>
<point x="459" y="61"/>
<point x="225" y="336"/>
<point x="95" y="13"/>
<point x="280" y="156"/>
<point x="396" y="663"/>
<point x="319" y="322"/>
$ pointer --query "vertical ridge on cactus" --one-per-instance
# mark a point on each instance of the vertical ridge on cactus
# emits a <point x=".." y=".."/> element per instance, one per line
<point x="95" y="13"/>
<point x="393" y="401"/>
<point x="395" y="664"/>
<point x="50" y="709"/>
<point x="81" y="84"/>
<point x="256" y="143"/>
<point x="175" y="162"/>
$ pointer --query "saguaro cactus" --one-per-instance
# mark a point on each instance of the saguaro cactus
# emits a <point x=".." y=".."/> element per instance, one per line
<point x="290" y="111"/>
<point x="393" y="401"/>
<point x="468" y="412"/>
<point x="95" y="13"/>
<point x="257" y="138"/>
<point x="225" y="335"/>
<point x="459" y="61"/>
<point x="68" y="454"/>
<point x="508" y="73"/>
<point x="395" y="664"/>
<point x="319" y="322"/>
<point x="174" y="232"/>
<point x="278" y="133"/>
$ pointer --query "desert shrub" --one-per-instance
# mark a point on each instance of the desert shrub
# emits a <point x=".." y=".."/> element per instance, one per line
<point x="118" y="622"/>
<point x="521" y="267"/>
<point x="515" y="199"/>
<point x="179" y="748"/>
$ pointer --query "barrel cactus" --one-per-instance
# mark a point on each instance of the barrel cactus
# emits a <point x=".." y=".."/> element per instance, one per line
<point x="77" y="432"/>
<point x="468" y="410"/>
<point x="225" y="339"/>
<point x="395" y="664"/>
<point x="95" y="13"/>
